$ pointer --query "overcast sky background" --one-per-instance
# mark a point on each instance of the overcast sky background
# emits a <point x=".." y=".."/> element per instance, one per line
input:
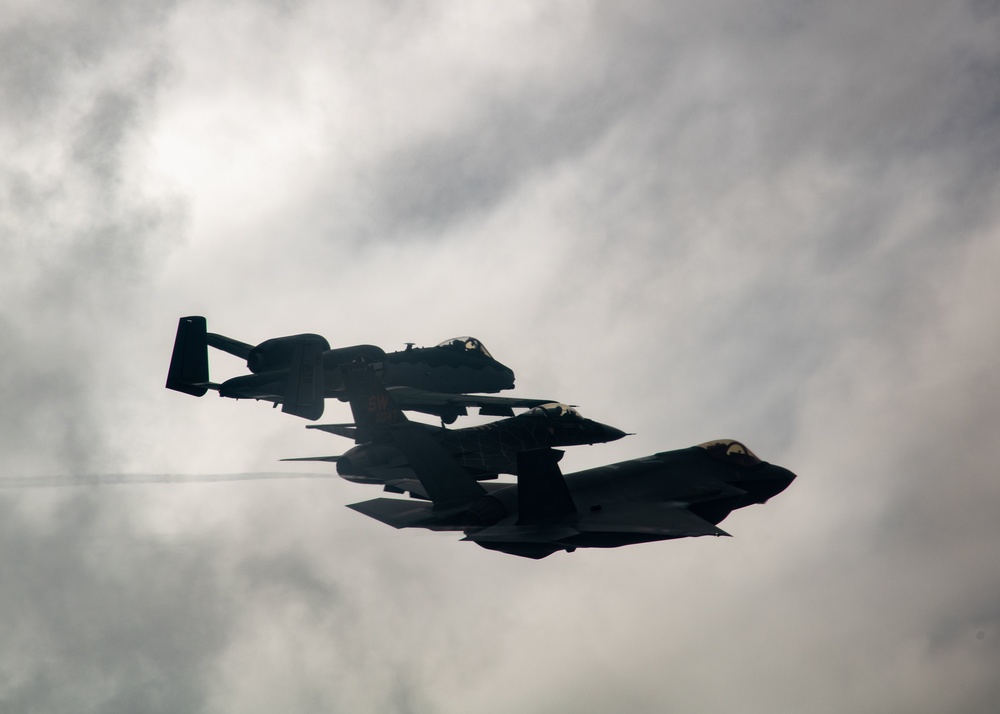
<point x="774" y="221"/>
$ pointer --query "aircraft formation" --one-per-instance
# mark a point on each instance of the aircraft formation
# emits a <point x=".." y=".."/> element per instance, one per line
<point x="450" y="475"/>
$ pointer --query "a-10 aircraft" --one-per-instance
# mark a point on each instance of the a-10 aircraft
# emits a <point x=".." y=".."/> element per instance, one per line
<point x="672" y="494"/>
<point x="300" y="372"/>
<point x="484" y="451"/>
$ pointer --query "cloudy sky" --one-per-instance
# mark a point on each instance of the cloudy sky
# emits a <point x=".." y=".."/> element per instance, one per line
<point x="770" y="220"/>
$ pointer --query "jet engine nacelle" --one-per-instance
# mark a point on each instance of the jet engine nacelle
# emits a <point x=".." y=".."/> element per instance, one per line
<point x="278" y="352"/>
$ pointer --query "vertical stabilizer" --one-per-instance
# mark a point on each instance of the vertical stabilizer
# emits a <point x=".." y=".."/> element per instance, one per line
<point x="374" y="410"/>
<point x="188" y="371"/>
<point x="442" y="477"/>
<point x="542" y="492"/>
<point x="378" y="418"/>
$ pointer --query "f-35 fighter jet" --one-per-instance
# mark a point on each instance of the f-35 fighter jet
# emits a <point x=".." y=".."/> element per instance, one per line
<point x="300" y="371"/>
<point x="671" y="494"/>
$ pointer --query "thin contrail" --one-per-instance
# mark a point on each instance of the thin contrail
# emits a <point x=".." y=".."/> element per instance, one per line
<point x="127" y="479"/>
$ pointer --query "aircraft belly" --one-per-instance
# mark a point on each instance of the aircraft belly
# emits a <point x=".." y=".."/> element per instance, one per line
<point x="655" y="520"/>
<point x="612" y="540"/>
<point x="521" y="534"/>
<point x="267" y="385"/>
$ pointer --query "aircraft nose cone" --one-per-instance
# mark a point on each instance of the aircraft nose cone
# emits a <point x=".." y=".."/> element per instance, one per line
<point x="781" y="478"/>
<point x="503" y="376"/>
<point x="597" y="433"/>
<point x="785" y="474"/>
<point x="765" y="482"/>
<point x="612" y="434"/>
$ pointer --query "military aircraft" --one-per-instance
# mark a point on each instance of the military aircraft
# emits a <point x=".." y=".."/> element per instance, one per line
<point x="484" y="451"/>
<point x="300" y="371"/>
<point x="671" y="494"/>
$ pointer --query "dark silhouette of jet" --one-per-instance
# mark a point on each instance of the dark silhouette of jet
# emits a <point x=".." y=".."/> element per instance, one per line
<point x="672" y="494"/>
<point x="483" y="451"/>
<point x="300" y="371"/>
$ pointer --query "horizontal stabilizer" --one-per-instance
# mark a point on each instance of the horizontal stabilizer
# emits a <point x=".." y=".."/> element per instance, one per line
<point x="268" y="385"/>
<point x="395" y="512"/>
<point x="330" y="459"/>
<point x="406" y="514"/>
<point x="348" y="431"/>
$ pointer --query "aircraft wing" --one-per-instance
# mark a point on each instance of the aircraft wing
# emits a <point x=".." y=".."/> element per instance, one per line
<point x="349" y="431"/>
<point x="420" y="399"/>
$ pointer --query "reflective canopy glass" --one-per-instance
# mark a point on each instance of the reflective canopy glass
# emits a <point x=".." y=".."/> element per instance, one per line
<point x="730" y="451"/>
<point x="555" y="409"/>
<point x="467" y="344"/>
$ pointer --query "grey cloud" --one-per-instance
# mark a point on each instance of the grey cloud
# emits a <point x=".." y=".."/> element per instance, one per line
<point x="768" y="213"/>
<point x="476" y="166"/>
<point x="291" y="577"/>
<point x="95" y="620"/>
<point x="98" y="146"/>
<point x="47" y="55"/>
<point x="896" y="177"/>
<point x="80" y="82"/>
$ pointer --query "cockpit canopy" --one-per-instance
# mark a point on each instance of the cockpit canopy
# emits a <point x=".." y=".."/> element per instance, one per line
<point x="555" y="410"/>
<point x="467" y="345"/>
<point x="730" y="451"/>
